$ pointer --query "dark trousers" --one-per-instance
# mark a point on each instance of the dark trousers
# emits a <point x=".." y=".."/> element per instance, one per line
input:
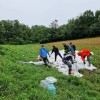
<point x="88" y="58"/>
<point x="45" y="60"/>
<point x="56" y="55"/>
<point x="69" y="65"/>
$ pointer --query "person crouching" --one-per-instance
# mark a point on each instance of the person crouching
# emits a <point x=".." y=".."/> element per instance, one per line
<point x="68" y="60"/>
<point x="85" y="53"/>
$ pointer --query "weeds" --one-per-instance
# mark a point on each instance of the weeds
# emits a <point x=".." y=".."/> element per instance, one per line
<point x="22" y="81"/>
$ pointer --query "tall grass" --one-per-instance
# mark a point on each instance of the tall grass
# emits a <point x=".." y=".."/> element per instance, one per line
<point x="22" y="81"/>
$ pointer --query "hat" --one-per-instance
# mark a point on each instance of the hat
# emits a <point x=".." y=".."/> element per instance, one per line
<point x="91" y="53"/>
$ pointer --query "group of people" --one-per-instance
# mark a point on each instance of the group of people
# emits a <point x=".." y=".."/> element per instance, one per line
<point x="68" y="56"/>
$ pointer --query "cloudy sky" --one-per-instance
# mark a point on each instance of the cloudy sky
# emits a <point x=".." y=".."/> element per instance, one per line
<point x="43" y="12"/>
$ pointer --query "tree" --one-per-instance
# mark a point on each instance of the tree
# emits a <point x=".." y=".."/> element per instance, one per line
<point x="39" y="33"/>
<point x="54" y="24"/>
<point x="97" y="14"/>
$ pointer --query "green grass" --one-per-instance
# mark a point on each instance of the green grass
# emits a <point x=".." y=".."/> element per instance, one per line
<point x="22" y="81"/>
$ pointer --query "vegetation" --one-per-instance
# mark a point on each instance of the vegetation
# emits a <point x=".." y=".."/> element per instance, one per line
<point x="85" y="25"/>
<point x="20" y="81"/>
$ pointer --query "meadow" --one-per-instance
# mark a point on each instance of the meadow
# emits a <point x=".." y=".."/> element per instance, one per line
<point x="20" y="81"/>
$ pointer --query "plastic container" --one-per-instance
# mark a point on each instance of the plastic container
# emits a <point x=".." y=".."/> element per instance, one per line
<point x="44" y="83"/>
<point x="52" y="88"/>
<point x="51" y="79"/>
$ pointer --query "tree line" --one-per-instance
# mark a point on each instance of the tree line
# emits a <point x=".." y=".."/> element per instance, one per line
<point x="85" y="25"/>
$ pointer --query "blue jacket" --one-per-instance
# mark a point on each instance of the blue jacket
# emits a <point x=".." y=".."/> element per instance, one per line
<point x="72" y="49"/>
<point x="43" y="52"/>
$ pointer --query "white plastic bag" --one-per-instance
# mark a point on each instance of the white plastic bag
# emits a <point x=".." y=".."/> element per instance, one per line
<point x="51" y="79"/>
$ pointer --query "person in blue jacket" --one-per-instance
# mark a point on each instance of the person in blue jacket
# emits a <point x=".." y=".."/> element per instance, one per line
<point x="72" y="49"/>
<point x="43" y="53"/>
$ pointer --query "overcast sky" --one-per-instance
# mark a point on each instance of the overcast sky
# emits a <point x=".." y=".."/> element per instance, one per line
<point x="43" y="12"/>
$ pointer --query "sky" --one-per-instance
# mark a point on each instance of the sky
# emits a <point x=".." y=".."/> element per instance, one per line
<point x="43" y="12"/>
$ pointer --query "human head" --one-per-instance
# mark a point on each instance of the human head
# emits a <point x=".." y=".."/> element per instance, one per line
<point x="64" y="54"/>
<point x="70" y="43"/>
<point x="42" y="46"/>
<point x="63" y="43"/>
<point x="79" y="53"/>
<point x="53" y="46"/>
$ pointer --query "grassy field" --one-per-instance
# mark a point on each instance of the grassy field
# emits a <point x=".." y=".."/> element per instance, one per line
<point x="22" y="81"/>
